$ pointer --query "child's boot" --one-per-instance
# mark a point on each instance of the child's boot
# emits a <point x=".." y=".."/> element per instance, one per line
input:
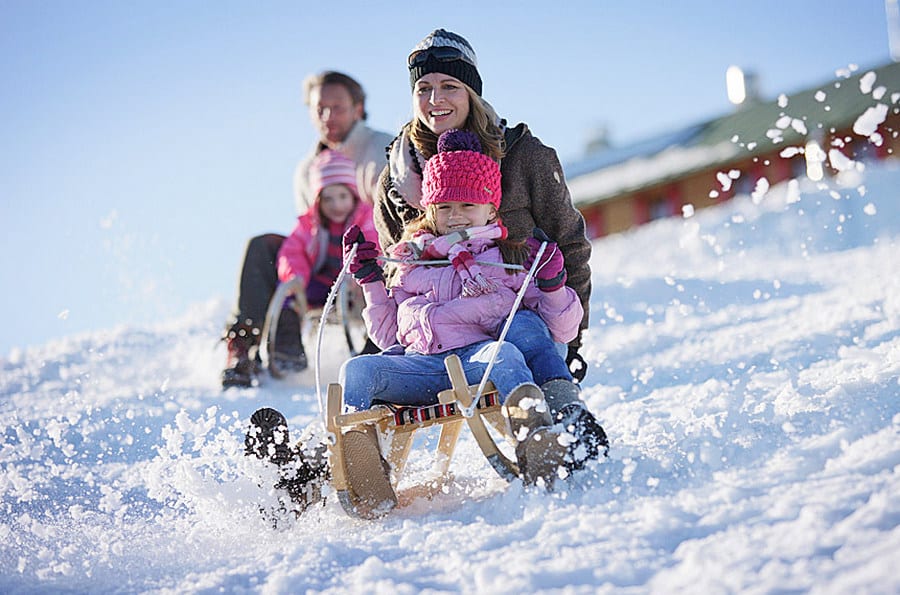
<point x="287" y="355"/>
<point x="570" y="411"/>
<point x="302" y="471"/>
<point x="240" y="369"/>
<point x="539" y="450"/>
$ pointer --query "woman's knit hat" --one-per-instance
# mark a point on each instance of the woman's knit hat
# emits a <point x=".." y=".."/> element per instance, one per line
<point x="331" y="167"/>
<point x="460" y="172"/>
<point x="447" y="53"/>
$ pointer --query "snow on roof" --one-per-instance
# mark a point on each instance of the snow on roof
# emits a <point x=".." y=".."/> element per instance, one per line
<point x="859" y="100"/>
<point x="647" y="170"/>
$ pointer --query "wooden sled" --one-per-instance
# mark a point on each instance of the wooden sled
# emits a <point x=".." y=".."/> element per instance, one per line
<point x="397" y="426"/>
<point x="347" y="314"/>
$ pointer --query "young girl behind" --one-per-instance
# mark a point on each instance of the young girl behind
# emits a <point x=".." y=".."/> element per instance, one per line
<point x="313" y="251"/>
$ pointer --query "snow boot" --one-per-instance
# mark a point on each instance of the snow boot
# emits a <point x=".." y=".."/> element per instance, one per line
<point x="370" y="494"/>
<point x="302" y="471"/>
<point x="570" y="411"/>
<point x="304" y="475"/>
<point x="240" y="369"/>
<point x="590" y="438"/>
<point x="267" y="437"/>
<point x="559" y="393"/>
<point x="540" y="448"/>
<point x="288" y="356"/>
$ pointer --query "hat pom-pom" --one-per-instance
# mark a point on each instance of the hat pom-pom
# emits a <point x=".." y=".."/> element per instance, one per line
<point x="458" y="140"/>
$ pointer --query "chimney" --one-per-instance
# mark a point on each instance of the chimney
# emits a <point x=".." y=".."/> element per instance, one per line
<point x="598" y="141"/>
<point x="893" y="26"/>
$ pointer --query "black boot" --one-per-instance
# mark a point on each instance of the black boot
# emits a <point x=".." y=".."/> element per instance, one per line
<point x="591" y="441"/>
<point x="268" y="438"/>
<point x="287" y="355"/>
<point x="302" y="470"/>
<point x="571" y="412"/>
<point x="240" y="369"/>
<point x="304" y="476"/>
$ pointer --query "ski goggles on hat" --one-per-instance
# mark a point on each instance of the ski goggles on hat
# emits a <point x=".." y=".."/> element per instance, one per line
<point x="441" y="53"/>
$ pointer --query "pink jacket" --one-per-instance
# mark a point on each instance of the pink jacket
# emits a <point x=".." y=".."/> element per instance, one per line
<point x="426" y="312"/>
<point x="303" y="251"/>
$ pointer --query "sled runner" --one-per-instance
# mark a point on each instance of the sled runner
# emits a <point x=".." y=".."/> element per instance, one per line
<point x="347" y="315"/>
<point x="352" y="478"/>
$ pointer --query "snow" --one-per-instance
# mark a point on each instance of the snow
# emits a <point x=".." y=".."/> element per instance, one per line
<point x="867" y="124"/>
<point x="744" y="360"/>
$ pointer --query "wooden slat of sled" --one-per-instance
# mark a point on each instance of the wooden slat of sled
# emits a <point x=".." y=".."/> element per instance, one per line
<point x="401" y="435"/>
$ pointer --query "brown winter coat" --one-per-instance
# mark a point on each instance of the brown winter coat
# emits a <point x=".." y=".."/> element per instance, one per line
<point x="534" y="195"/>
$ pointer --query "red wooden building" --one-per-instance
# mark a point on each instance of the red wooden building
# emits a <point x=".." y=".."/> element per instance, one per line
<point x="818" y="131"/>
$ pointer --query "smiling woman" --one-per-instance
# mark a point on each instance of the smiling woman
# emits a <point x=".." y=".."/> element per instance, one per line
<point x="446" y="94"/>
<point x="441" y="102"/>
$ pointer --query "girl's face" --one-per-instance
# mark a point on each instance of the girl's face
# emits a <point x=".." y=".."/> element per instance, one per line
<point x="336" y="202"/>
<point x="454" y="216"/>
<point x="441" y="102"/>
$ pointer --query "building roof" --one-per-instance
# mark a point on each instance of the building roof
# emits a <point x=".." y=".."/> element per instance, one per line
<point x="754" y="129"/>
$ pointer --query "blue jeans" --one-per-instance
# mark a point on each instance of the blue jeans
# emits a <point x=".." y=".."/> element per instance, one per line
<point x="416" y="379"/>
<point x="543" y="356"/>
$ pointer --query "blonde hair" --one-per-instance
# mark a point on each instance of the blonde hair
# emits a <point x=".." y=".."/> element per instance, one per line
<point x="482" y="120"/>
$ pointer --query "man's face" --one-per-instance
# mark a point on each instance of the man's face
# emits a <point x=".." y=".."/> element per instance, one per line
<point x="333" y="112"/>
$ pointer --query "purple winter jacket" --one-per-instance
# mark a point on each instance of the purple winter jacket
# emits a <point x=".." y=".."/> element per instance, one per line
<point x="426" y="312"/>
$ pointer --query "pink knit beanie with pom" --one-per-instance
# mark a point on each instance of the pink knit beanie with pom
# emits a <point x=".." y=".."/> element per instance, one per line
<point x="460" y="172"/>
<point x="331" y="167"/>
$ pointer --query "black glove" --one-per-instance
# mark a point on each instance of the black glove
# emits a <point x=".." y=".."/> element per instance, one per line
<point x="577" y="366"/>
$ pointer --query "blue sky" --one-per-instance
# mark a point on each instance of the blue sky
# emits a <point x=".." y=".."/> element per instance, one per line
<point x="145" y="141"/>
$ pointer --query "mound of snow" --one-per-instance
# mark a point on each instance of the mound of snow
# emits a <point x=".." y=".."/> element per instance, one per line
<point x="744" y="360"/>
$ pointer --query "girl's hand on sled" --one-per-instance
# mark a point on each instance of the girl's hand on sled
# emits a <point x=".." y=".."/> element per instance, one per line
<point x="363" y="266"/>
<point x="550" y="274"/>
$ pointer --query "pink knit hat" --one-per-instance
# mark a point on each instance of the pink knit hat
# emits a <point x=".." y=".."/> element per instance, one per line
<point x="331" y="167"/>
<point x="460" y="172"/>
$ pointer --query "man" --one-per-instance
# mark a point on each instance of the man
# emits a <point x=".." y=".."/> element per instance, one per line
<point x="338" y="112"/>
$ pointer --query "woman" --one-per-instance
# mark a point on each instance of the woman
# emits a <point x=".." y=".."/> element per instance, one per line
<point x="446" y="86"/>
<point x="434" y="309"/>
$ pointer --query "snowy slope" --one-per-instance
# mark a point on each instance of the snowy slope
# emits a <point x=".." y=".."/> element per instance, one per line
<point x="744" y="360"/>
